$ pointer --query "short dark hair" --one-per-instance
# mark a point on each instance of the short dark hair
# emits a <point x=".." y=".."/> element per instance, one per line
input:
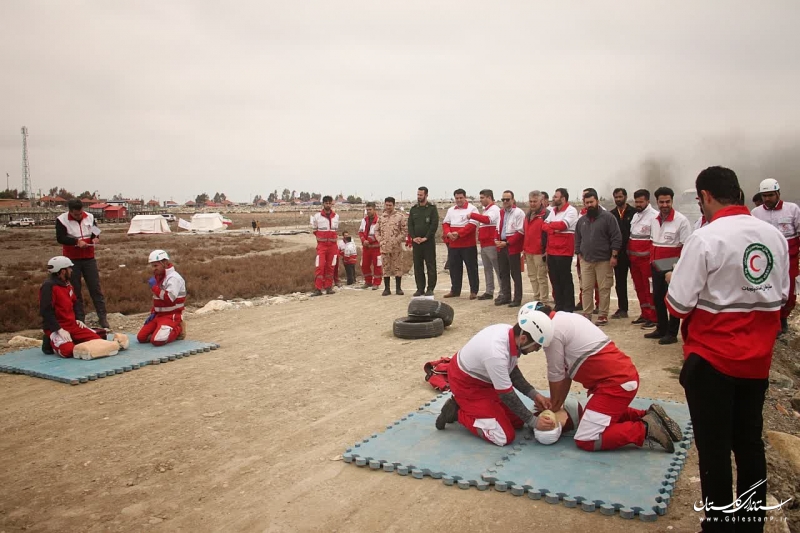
<point x="590" y="189"/>
<point x="75" y="204"/>
<point x="590" y="194"/>
<point x="425" y="189"/>
<point x="371" y="204"/>
<point x="564" y="193"/>
<point x="664" y="191"/>
<point x="327" y="198"/>
<point x="757" y="198"/>
<point x="509" y="192"/>
<point x="642" y="192"/>
<point x="544" y="193"/>
<point x="620" y="189"/>
<point x="488" y="192"/>
<point x="389" y="199"/>
<point x="721" y="183"/>
<point x="459" y="191"/>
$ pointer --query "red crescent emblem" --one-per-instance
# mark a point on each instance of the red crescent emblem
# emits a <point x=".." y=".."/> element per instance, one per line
<point x="752" y="266"/>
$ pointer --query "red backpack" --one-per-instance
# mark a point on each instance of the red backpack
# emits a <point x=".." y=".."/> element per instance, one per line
<point x="436" y="374"/>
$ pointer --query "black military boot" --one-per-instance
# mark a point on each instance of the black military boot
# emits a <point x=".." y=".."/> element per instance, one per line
<point x="386" y="291"/>
<point x="398" y="280"/>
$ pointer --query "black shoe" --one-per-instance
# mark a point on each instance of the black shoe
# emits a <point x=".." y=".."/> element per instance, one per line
<point x="669" y="424"/>
<point x="502" y="301"/>
<point x="485" y="296"/>
<point x="386" y="292"/>
<point x="640" y="320"/>
<point x="47" y="348"/>
<point x="649" y="325"/>
<point x="316" y="292"/>
<point x="329" y="290"/>
<point x="515" y="304"/>
<point x="429" y="292"/>
<point x="448" y="415"/>
<point x="653" y="335"/>
<point x="596" y="311"/>
<point x="418" y="293"/>
<point x="399" y="292"/>
<point x="620" y="314"/>
<point x="104" y="323"/>
<point x="668" y="339"/>
<point x="784" y="325"/>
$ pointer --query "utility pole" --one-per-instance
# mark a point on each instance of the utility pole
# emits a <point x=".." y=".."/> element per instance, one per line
<point x="26" y="170"/>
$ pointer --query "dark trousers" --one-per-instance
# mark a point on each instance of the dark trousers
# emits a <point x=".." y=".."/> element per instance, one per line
<point x="350" y="271"/>
<point x="727" y="416"/>
<point x="87" y="268"/>
<point x="425" y="258"/>
<point x="510" y="268"/>
<point x="621" y="280"/>
<point x="559" y="267"/>
<point x="459" y="257"/>
<point x="667" y="324"/>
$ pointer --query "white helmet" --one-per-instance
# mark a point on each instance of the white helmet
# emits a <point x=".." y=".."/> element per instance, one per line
<point x="158" y="255"/>
<point x="58" y="263"/>
<point x="769" y="185"/>
<point x="537" y="324"/>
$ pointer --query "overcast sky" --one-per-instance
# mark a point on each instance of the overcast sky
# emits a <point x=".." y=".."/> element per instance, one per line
<point x="168" y="99"/>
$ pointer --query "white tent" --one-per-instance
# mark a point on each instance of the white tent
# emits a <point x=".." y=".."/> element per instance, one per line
<point x="208" y="222"/>
<point x="148" y="224"/>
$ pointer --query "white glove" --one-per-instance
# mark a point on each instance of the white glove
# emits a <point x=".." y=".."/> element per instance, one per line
<point x="81" y="324"/>
<point x="64" y="334"/>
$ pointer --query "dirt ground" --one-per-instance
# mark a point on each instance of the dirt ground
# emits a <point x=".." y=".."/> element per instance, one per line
<point x="250" y="437"/>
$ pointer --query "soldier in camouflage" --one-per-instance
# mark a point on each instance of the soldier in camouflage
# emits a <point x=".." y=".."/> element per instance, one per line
<point x="392" y="232"/>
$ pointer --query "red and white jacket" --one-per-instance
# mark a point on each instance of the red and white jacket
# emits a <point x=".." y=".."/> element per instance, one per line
<point x="76" y="230"/>
<point x="325" y="227"/>
<point x="459" y="219"/>
<point x="729" y="287"/>
<point x="786" y="218"/>
<point x="667" y="236"/>
<point x="535" y="238"/>
<point x="367" y="236"/>
<point x="560" y="228"/>
<point x="514" y="221"/>
<point x="582" y="352"/>
<point x="490" y="356"/>
<point x="639" y="243"/>
<point x="57" y="305"/>
<point x="169" y="293"/>
<point x="349" y="253"/>
<point x="487" y="231"/>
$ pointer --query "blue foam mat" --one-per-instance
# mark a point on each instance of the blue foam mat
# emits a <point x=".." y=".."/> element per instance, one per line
<point x="32" y="362"/>
<point x="630" y="481"/>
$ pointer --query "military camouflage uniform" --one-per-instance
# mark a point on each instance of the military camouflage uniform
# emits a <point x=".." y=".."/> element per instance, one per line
<point x="391" y="232"/>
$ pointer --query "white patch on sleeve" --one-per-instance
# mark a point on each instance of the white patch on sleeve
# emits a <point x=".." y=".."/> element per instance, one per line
<point x="333" y="261"/>
<point x="630" y="385"/>
<point x="380" y="261"/>
<point x="592" y="425"/>
<point x="162" y="335"/>
<point x="492" y="429"/>
<point x="316" y="262"/>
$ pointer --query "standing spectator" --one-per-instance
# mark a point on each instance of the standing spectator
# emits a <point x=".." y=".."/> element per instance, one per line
<point x="459" y="231"/>
<point x="729" y="301"/>
<point x="546" y="201"/>
<point x="785" y="216"/>
<point x="253" y="223"/>
<point x="639" y="254"/>
<point x="511" y="238"/>
<point x="350" y="257"/>
<point x="560" y="228"/>
<point x="324" y="225"/>
<point x="371" y="264"/>
<point x="487" y="235"/>
<point x="757" y="201"/>
<point x="598" y="241"/>
<point x="392" y="232"/>
<point x="624" y="214"/>
<point x="78" y="233"/>
<point x="423" y="221"/>
<point x="258" y="227"/>
<point x="339" y="260"/>
<point x="668" y="233"/>
<point x="535" y="245"/>
<point x="581" y="213"/>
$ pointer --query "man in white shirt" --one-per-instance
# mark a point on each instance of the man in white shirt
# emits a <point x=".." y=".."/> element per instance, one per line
<point x="639" y="253"/>
<point x="459" y="229"/>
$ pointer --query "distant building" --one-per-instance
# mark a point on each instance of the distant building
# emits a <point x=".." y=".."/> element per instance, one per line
<point x="115" y="212"/>
<point x="170" y="203"/>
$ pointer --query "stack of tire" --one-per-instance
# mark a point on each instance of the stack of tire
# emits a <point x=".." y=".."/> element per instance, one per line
<point x="426" y="319"/>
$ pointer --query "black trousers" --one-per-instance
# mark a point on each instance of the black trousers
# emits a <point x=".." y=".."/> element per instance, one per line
<point x="425" y="258"/>
<point x="460" y="257"/>
<point x="727" y="417"/>
<point x="667" y="324"/>
<point x="350" y="271"/>
<point x="87" y="268"/>
<point x="621" y="280"/>
<point x="559" y="267"/>
<point x="510" y="268"/>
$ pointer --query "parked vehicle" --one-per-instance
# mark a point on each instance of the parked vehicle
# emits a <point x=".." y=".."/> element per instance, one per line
<point x="22" y="222"/>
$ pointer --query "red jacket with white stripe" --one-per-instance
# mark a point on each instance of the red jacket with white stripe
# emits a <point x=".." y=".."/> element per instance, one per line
<point x="57" y="305"/>
<point x="729" y="287"/>
<point x="69" y="231"/>
<point x="639" y="243"/>
<point x="786" y="218"/>
<point x="667" y="236"/>
<point x="487" y="231"/>
<point x="535" y="238"/>
<point x="367" y="234"/>
<point x="169" y="293"/>
<point x="458" y="219"/>
<point x="325" y="226"/>
<point x="560" y="228"/>
<point x="514" y="221"/>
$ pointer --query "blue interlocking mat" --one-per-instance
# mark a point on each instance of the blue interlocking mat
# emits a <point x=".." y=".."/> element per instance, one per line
<point x="32" y="362"/>
<point x="631" y="481"/>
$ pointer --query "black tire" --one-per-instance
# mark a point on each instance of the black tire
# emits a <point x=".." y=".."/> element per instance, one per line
<point x="419" y="307"/>
<point x="408" y="328"/>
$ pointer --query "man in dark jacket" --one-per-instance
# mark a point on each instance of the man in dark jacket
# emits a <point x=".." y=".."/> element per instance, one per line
<point x="597" y="241"/>
<point x="423" y="221"/>
<point x="624" y="214"/>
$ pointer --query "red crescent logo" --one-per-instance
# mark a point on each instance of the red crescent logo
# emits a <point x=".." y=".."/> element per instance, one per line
<point x="752" y="266"/>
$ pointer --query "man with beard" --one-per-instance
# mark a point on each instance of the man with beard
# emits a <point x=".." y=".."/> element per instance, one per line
<point x="459" y="231"/>
<point x="391" y="233"/>
<point x="371" y="249"/>
<point x="785" y="216"/>
<point x="487" y="235"/>
<point x="668" y="233"/>
<point x="423" y="221"/>
<point x="560" y="228"/>
<point x="624" y="214"/>
<point x="639" y="254"/>
<point x="324" y="226"/>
